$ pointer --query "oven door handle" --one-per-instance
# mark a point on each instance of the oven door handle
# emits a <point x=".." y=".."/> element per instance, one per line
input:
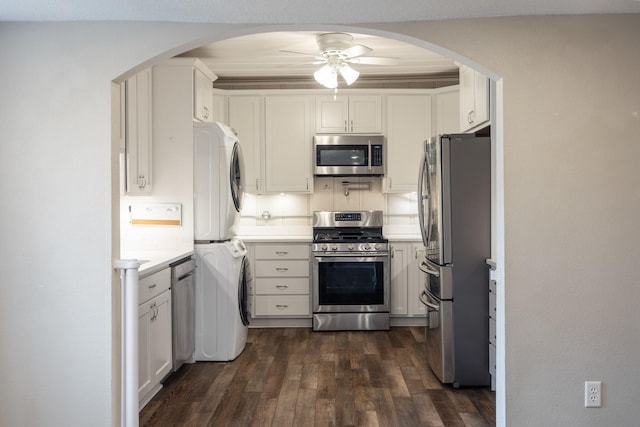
<point x="352" y="255"/>
<point x="423" y="297"/>
<point x="424" y="267"/>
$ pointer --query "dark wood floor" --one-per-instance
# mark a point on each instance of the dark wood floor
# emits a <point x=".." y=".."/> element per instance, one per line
<point x="296" y="377"/>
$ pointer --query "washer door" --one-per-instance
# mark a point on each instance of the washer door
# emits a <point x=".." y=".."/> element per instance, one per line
<point x="236" y="176"/>
<point x="243" y="298"/>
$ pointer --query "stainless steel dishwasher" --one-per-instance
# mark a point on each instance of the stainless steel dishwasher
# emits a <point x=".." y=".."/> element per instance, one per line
<point x="183" y="303"/>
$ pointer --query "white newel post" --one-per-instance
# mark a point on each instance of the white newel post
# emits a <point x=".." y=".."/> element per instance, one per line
<point x="129" y="338"/>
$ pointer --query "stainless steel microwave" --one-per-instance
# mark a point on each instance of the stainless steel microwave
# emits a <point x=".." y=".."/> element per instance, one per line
<point x="345" y="155"/>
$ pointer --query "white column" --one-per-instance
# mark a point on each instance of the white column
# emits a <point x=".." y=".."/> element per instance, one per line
<point x="129" y="338"/>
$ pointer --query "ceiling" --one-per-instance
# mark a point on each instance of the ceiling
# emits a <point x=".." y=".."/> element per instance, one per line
<point x="297" y="12"/>
<point x="267" y="57"/>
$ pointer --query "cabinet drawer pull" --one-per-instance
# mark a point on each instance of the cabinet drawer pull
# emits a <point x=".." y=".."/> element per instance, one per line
<point x="282" y="306"/>
<point x="282" y="252"/>
<point x="282" y="269"/>
<point x="152" y="286"/>
<point x="282" y="286"/>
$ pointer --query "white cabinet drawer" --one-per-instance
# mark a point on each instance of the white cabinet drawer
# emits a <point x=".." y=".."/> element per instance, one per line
<point x="154" y="284"/>
<point x="284" y="268"/>
<point x="282" y="286"/>
<point x="282" y="251"/>
<point x="282" y="305"/>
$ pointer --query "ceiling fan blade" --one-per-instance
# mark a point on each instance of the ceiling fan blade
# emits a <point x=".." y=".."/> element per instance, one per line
<point x="373" y="60"/>
<point x="355" y="51"/>
<point x="315" y="55"/>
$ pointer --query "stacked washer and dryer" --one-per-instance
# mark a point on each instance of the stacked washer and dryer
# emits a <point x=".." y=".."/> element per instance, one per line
<point x="222" y="268"/>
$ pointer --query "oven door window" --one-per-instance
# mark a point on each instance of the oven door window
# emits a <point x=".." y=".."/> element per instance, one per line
<point x="351" y="282"/>
<point x="344" y="155"/>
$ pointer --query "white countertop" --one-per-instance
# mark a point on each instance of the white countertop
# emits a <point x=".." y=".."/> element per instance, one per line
<point x="152" y="261"/>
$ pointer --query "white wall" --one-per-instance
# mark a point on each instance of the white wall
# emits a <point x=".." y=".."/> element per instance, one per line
<point x="571" y="130"/>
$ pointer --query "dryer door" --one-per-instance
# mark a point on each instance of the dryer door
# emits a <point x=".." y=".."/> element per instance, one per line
<point x="236" y="176"/>
<point x="243" y="297"/>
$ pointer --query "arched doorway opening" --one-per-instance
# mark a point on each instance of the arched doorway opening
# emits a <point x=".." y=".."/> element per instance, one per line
<point x="497" y="160"/>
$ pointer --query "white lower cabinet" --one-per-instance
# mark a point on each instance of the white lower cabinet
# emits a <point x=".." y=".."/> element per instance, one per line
<point x="154" y="334"/>
<point x="406" y="279"/>
<point x="281" y="280"/>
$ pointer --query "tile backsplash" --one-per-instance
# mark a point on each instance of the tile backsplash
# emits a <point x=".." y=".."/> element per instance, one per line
<point x="291" y="214"/>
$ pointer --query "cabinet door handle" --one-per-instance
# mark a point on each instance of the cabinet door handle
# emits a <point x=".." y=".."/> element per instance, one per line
<point x="281" y="269"/>
<point x="282" y="306"/>
<point x="282" y="252"/>
<point x="351" y="125"/>
<point x="206" y="112"/>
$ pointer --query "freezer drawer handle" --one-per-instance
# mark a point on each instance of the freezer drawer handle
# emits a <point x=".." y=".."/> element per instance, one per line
<point x="425" y="269"/>
<point x="423" y="299"/>
<point x="282" y="286"/>
<point x="282" y="269"/>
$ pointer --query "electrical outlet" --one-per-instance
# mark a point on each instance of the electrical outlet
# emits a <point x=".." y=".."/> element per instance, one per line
<point x="592" y="394"/>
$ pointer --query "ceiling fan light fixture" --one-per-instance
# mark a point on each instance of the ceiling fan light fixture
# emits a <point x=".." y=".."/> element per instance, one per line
<point x="327" y="76"/>
<point x="348" y="74"/>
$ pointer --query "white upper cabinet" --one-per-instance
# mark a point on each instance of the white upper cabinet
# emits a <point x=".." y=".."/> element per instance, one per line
<point x="446" y="112"/>
<point x="245" y="118"/>
<point x="474" y="99"/>
<point x="408" y="126"/>
<point x="349" y="114"/>
<point x="202" y="96"/>
<point x="288" y="140"/>
<point x="137" y="131"/>
<point x="219" y="106"/>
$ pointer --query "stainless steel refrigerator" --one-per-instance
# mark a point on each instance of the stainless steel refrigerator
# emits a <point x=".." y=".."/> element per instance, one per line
<point x="454" y="206"/>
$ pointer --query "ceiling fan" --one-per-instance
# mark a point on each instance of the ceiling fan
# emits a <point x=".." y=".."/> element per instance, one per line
<point x="337" y="51"/>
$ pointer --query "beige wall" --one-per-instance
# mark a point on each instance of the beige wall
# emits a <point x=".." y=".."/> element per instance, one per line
<point x="571" y="126"/>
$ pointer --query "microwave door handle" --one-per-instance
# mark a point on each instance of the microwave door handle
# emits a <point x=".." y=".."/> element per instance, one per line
<point x="369" y="157"/>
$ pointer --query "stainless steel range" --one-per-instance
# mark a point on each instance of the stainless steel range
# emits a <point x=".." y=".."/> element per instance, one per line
<point x="351" y="275"/>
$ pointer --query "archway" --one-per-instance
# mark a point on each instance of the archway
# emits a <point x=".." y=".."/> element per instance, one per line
<point x="497" y="166"/>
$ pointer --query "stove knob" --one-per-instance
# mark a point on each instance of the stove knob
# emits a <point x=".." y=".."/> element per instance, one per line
<point x="334" y="247"/>
<point x="323" y="247"/>
<point x="350" y="247"/>
<point x="376" y="246"/>
<point x="366" y="247"/>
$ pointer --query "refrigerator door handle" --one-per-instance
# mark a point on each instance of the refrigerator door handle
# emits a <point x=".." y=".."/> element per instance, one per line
<point x="423" y="297"/>
<point x="424" y="228"/>
<point x="424" y="267"/>
<point x="427" y="170"/>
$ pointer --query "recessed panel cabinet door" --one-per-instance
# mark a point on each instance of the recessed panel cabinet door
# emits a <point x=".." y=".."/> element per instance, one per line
<point x="408" y="127"/>
<point x="138" y="133"/>
<point x="245" y="117"/>
<point x="288" y="141"/>
<point x="162" y="358"/>
<point x="144" y="349"/>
